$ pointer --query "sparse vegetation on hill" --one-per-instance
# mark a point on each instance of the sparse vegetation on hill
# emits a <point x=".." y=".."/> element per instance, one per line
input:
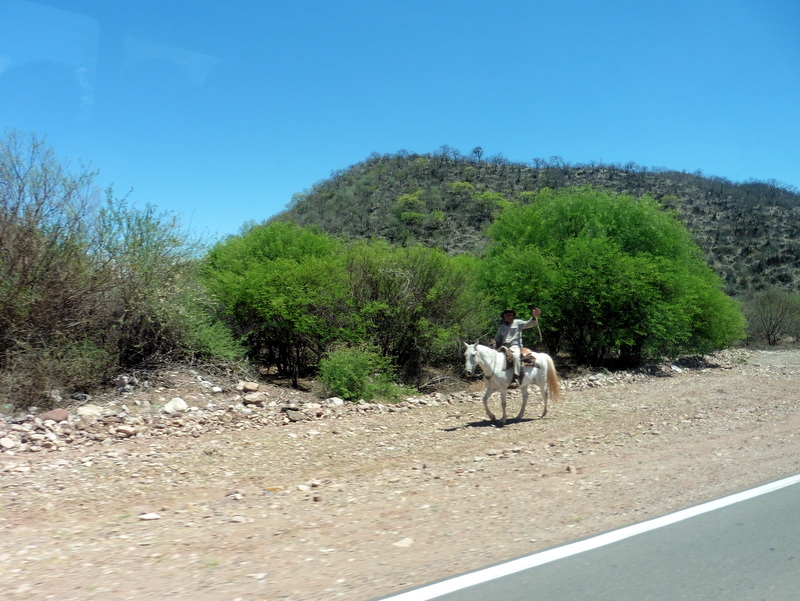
<point x="749" y="232"/>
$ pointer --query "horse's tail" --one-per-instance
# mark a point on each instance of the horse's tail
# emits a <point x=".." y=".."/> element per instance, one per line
<point x="553" y="385"/>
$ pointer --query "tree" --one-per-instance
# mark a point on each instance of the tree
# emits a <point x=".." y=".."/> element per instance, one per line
<point x="773" y="314"/>
<point x="616" y="277"/>
<point x="487" y="204"/>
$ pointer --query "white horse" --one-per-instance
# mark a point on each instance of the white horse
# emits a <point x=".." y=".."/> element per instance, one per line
<point x="498" y="377"/>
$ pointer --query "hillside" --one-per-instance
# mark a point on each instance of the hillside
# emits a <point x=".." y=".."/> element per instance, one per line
<point x="749" y="232"/>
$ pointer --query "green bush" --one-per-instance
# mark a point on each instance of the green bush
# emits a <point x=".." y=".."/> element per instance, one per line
<point x="294" y="293"/>
<point x="190" y="318"/>
<point x="283" y="289"/>
<point x="616" y="277"/>
<point x="413" y="304"/>
<point x="355" y="374"/>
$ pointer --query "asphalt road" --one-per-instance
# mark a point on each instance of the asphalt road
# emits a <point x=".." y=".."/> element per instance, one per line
<point x="745" y="547"/>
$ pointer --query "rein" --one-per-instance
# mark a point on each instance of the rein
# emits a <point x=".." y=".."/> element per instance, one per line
<point x="485" y="377"/>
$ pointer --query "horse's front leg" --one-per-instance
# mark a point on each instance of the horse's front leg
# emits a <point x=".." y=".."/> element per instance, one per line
<point x="486" y="396"/>
<point x="524" y="402"/>
<point x="503" y="393"/>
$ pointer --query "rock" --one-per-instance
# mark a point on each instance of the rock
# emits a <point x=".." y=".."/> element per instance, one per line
<point x="334" y="401"/>
<point x="7" y="443"/>
<point x="405" y="542"/>
<point x="256" y="398"/>
<point x="90" y="411"/>
<point x="125" y="383"/>
<point x="147" y="517"/>
<point x="247" y="386"/>
<point x="296" y="416"/>
<point x="57" y="415"/>
<point x="176" y="405"/>
<point x="125" y="431"/>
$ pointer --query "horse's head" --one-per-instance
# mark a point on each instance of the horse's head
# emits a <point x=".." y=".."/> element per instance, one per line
<point x="470" y="359"/>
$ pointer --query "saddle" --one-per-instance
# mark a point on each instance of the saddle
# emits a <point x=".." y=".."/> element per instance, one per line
<point x="526" y="355"/>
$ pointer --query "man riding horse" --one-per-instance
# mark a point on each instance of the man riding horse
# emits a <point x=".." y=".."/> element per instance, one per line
<point x="509" y="335"/>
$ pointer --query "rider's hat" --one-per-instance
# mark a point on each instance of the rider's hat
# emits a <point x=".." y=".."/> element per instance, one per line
<point x="513" y="313"/>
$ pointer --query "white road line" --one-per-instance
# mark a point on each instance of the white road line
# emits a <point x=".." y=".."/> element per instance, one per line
<point x="438" y="589"/>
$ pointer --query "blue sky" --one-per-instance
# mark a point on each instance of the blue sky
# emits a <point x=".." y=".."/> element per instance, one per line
<point x="220" y="110"/>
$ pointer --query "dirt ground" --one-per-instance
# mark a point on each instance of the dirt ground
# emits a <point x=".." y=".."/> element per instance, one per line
<point x="362" y="504"/>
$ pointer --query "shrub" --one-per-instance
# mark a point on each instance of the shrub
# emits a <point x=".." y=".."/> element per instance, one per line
<point x="413" y="304"/>
<point x="33" y="373"/>
<point x="86" y="287"/>
<point x="283" y="289"/>
<point x="359" y="374"/>
<point x="616" y="277"/>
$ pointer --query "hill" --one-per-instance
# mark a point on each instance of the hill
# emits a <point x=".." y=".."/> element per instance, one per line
<point x="749" y="232"/>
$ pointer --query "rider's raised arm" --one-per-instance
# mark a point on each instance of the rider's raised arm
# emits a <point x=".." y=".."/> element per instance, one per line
<point x="532" y="321"/>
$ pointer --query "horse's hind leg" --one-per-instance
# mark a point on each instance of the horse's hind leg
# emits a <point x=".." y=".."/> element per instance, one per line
<point x="544" y="396"/>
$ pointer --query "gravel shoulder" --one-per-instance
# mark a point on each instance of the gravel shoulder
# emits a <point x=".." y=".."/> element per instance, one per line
<point x="354" y="503"/>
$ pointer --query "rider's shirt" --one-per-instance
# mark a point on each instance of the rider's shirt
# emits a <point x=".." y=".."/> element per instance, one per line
<point x="509" y="335"/>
